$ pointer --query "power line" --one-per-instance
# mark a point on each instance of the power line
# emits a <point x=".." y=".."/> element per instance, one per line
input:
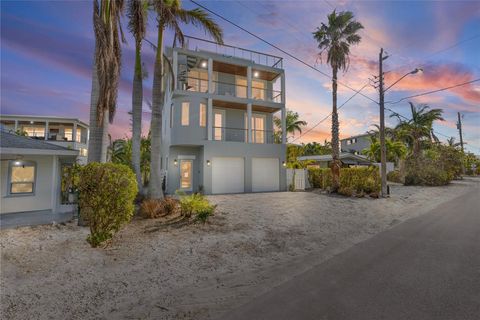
<point x="434" y="91"/>
<point x="437" y="52"/>
<point x="281" y="50"/>
<point x="328" y="116"/>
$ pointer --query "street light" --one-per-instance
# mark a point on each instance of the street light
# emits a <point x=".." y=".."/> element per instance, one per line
<point x="383" y="149"/>
<point x="417" y="70"/>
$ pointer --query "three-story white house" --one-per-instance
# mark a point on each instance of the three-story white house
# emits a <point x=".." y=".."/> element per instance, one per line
<point x="218" y="132"/>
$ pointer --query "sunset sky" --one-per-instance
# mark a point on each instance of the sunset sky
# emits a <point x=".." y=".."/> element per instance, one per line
<point x="47" y="51"/>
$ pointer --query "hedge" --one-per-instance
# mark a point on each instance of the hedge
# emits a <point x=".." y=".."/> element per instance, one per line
<point x="106" y="198"/>
<point x="353" y="181"/>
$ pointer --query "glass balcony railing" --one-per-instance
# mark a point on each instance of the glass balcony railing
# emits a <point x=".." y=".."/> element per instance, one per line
<point x="240" y="135"/>
<point x="231" y="89"/>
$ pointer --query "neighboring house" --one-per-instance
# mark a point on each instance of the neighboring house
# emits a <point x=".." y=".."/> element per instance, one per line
<point x="218" y="120"/>
<point x="348" y="159"/>
<point x="65" y="132"/>
<point x="31" y="172"/>
<point x="355" y="144"/>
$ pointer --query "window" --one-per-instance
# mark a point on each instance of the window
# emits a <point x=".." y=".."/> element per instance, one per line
<point x="198" y="80"/>
<point x="35" y="131"/>
<point x="78" y="138"/>
<point x="258" y="89"/>
<point x="68" y="134"/>
<point x="185" y="113"/>
<point x="241" y="86"/>
<point x="203" y="115"/>
<point x="83" y="152"/>
<point x="22" y="177"/>
<point x="171" y="115"/>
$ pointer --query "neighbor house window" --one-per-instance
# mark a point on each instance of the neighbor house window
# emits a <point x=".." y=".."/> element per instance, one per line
<point x="78" y="138"/>
<point x="203" y="115"/>
<point x="185" y="113"/>
<point x="35" y="131"/>
<point x="68" y="134"/>
<point x="22" y="177"/>
<point x="83" y="152"/>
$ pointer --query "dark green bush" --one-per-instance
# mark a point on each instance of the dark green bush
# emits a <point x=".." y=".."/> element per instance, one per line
<point x="320" y="178"/>
<point x="106" y="198"/>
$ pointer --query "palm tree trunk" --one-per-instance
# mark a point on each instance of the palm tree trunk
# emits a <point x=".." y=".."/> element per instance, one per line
<point x="155" y="183"/>
<point x="137" y="99"/>
<point x="96" y="136"/>
<point x="335" y="139"/>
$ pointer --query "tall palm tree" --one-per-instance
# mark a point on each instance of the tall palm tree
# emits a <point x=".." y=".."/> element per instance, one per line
<point x="418" y="130"/>
<point x="106" y="74"/>
<point x="169" y="16"/>
<point x="335" y="40"/>
<point x="293" y="124"/>
<point x="137" y="24"/>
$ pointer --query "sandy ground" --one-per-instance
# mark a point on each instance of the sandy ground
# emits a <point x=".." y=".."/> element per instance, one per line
<point x="255" y="242"/>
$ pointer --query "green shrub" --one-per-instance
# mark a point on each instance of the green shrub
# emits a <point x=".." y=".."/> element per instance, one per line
<point x="195" y="204"/>
<point x="106" y="195"/>
<point x="205" y="213"/>
<point x="395" y="176"/>
<point x="353" y="181"/>
<point x="434" y="167"/>
<point x="320" y="177"/>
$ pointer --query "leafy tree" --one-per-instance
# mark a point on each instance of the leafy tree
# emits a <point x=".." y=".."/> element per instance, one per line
<point x="335" y="39"/>
<point x="106" y="74"/>
<point x="395" y="150"/>
<point x="315" y="148"/>
<point x="137" y="25"/>
<point x="169" y="16"/>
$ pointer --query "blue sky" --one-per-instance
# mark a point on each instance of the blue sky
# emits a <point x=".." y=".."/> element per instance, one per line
<point x="47" y="50"/>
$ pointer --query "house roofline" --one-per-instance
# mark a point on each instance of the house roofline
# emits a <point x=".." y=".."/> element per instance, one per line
<point x="44" y="118"/>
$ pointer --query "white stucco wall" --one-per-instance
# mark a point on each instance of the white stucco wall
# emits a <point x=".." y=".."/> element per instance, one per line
<point x="42" y="197"/>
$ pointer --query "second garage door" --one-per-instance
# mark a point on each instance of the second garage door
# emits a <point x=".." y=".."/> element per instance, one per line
<point x="265" y="174"/>
<point x="227" y="175"/>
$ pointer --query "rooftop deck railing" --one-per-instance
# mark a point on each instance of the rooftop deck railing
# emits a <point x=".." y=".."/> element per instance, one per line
<point x="198" y="44"/>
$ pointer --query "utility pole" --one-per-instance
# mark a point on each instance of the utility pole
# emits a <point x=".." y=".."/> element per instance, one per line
<point x="459" y="127"/>
<point x="383" y="150"/>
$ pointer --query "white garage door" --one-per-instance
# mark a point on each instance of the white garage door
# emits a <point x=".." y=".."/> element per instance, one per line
<point x="227" y="175"/>
<point x="265" y="174"/>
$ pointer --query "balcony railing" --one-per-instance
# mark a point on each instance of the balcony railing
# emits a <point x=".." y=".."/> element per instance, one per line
<point x="240" y="135"/>
<point x="197" y="44"/>
<point x="231" y="89"/>
<point x="64" y="138"/>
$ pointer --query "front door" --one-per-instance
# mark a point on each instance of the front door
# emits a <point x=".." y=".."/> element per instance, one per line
<point x="186" y="177"/>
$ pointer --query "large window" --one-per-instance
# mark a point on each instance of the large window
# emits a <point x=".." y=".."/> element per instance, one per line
<point x="203" y="115"/>
<point x="185" y="113"/>
<point x="258" y="89"/>
<point x="35" y="131"/>
<point x="198" y="80"/>
<point x="22" y="177"/>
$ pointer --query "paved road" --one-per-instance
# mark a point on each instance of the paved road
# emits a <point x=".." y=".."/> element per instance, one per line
<point x="425" y="268"/>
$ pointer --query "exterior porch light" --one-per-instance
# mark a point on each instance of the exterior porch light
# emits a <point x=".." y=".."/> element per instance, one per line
<point x="256" y="74"/>
<point x="204" y="64"/>
<point x="284" y="164"/>
<point x="208" y="163"/>
<point x="175" y="162"/>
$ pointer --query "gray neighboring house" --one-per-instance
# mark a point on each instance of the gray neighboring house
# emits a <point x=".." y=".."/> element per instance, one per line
<point x="31" y="172"/>
<point x="355" y="144"/>
<point x="66" y="132"/>
<point x="218" y="132"/>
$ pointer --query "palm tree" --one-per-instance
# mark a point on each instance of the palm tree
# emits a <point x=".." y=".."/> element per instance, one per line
<point x="169" y="15"/>
<point x="137" y="24"/>
<point x="451" y="142"/>
<point x="293" y="124"/>
<point x="418" y="130"/>
<point x="106" y="74"/>
<point x="335" y="40"/>
<point x="396" y="150"/>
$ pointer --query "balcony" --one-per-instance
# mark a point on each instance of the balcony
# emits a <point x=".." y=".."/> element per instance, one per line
<point x="240" y="135"/>
<point x="197" y="44"/>
<point x="231" y="89"/>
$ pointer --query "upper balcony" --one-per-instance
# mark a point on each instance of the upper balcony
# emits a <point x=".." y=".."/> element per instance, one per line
<point x="229" y="51"/>
<point x="230" y="76"/>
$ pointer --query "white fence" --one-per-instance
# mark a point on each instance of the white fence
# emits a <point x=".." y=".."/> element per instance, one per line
<point x="297" y="179"/>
